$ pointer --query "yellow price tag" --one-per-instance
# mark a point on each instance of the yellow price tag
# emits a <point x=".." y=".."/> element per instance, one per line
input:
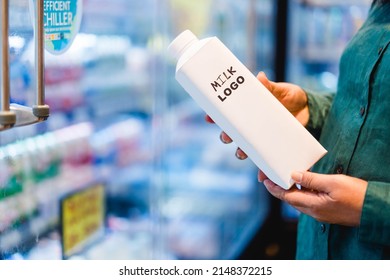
<point x="82" y="219"/>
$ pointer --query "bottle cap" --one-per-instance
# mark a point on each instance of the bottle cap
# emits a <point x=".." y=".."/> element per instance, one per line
<point x="181" y="43"/>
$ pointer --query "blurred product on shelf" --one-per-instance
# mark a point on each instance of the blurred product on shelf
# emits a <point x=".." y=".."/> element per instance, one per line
<point x="41" y="169"/>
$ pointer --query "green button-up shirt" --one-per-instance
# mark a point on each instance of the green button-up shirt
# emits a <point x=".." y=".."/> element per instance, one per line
<point x="354" y="126"/>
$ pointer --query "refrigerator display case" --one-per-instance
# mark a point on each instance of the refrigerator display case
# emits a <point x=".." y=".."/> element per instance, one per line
<point x="120" y="123"/>
<point x="318" y="33"/>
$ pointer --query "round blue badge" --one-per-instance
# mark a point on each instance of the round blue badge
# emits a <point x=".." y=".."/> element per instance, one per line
<point x="62" y="20"/>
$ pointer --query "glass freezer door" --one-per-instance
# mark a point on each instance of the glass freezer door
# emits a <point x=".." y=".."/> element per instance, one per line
<point x="126" y="167"/>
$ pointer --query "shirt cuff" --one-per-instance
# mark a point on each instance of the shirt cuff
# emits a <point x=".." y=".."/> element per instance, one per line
<point x="375" y="219"/>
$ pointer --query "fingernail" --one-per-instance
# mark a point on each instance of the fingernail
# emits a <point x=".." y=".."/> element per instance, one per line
<point x="240" y="155"/>
<point x="223" y="140"/>
<point x="297" y="177"/>
<point x="268" y="183"/>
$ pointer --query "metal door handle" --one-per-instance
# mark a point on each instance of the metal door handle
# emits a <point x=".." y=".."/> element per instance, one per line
<point x="7" y="117"/>
<point x="14" y="114"/>
<point x="40" y="110"/>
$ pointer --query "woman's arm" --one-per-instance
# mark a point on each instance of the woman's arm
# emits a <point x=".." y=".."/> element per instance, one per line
<point x="319" y="105"/>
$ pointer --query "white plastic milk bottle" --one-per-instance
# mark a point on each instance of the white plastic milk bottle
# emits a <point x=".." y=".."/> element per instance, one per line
<point x="242" y="107"/>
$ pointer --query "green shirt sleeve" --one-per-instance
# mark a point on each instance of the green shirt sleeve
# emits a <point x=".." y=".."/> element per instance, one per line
<point x="319" y="105"/>
<point x="375" y="220"/>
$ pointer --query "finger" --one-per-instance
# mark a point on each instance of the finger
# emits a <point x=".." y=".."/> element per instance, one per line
<point x="261" y="176"/>
<point x="208" y="119"/>
<point x="240" y="154"/>
<point x="313" y="181"/>
<point x="293" y="196"/>
<point x="225" y="138"/>
<point x="264" y="80"/>
<point x="274" y="189"/>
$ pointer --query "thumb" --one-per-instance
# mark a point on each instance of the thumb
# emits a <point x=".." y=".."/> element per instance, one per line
<point x="312" y="181"/>
<point x="264" y="80"/>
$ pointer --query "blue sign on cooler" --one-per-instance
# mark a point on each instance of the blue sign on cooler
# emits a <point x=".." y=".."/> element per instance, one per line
<point x="61" y="23"/>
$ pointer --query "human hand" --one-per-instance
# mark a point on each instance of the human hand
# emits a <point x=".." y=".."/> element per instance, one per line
<point x="335" y="199"/>
<point x="291" y="96"/>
